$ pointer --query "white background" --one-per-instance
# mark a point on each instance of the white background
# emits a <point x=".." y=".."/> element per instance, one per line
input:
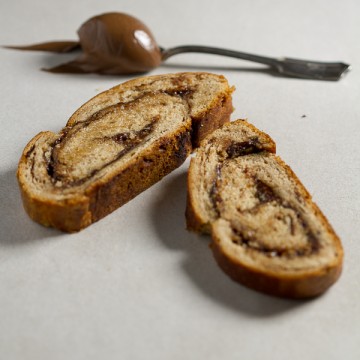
<point x="137" y="285"/>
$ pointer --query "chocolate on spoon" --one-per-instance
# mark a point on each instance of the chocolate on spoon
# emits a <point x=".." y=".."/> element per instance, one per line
<point x="111" y="43"/>
<point x="119" y="44"/>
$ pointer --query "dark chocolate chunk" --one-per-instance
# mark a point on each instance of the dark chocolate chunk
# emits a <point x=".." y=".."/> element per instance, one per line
<point x="236" y="149"/>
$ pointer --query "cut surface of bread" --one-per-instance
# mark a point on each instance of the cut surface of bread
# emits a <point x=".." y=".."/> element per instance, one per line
<point x="117" y="145"/>
<point x="267" y="233"/>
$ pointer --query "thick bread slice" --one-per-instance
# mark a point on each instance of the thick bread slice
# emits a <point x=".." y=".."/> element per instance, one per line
<point x="228" y="142"/>
<point x="117" y="145"/>
<point x="267" y="233"/>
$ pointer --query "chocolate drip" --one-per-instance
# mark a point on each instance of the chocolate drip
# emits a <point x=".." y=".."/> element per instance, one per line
<point x="111" y="43"/>
<point x="51" y="46"/>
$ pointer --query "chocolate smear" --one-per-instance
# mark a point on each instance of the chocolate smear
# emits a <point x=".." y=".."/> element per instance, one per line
<point x="52" y="46"/>
<point x="111" y="43"/>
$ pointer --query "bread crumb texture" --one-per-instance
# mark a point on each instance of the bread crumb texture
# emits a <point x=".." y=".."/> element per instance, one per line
<point x="117" y="145"/>
<point x="267" y="232"/>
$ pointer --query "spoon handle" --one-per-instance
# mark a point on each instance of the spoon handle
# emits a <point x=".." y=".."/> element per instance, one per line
<point x="291" y="67"/>
<point x="166" y="53"/>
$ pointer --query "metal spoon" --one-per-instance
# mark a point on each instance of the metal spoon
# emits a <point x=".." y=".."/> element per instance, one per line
<point x="120" y="44"/>
<point x="307" y="69"/>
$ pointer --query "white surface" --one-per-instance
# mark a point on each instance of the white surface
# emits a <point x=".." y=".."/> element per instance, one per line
<point x="136" y="285"/>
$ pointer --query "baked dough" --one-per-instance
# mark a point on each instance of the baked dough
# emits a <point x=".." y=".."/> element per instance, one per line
<point x="117" y="145"/>
<point x="267" y="233"/>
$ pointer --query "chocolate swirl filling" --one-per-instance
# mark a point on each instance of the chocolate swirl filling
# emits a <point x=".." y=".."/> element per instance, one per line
<point x="129" y="140"/>
<point x="85" y="148"/>
<point x="253" y="228"/>
<point x="265" y="194"/>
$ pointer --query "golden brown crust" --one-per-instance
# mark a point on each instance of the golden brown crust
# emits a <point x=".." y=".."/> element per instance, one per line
<point x="193" y="220"/>
<point x="75" y="212"/>
<point x="145" y="172"/>
<point x="262" y="257"/>
<point x="82" y="210"/>
<point x="213" y="119"/>
<point x="62" y="215"/>
<point x="304" y="286"/>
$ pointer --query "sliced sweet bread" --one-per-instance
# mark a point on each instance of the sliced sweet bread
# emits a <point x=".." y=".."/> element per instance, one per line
<point x="117" y="145"/>
<point x="267" y="233"/>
